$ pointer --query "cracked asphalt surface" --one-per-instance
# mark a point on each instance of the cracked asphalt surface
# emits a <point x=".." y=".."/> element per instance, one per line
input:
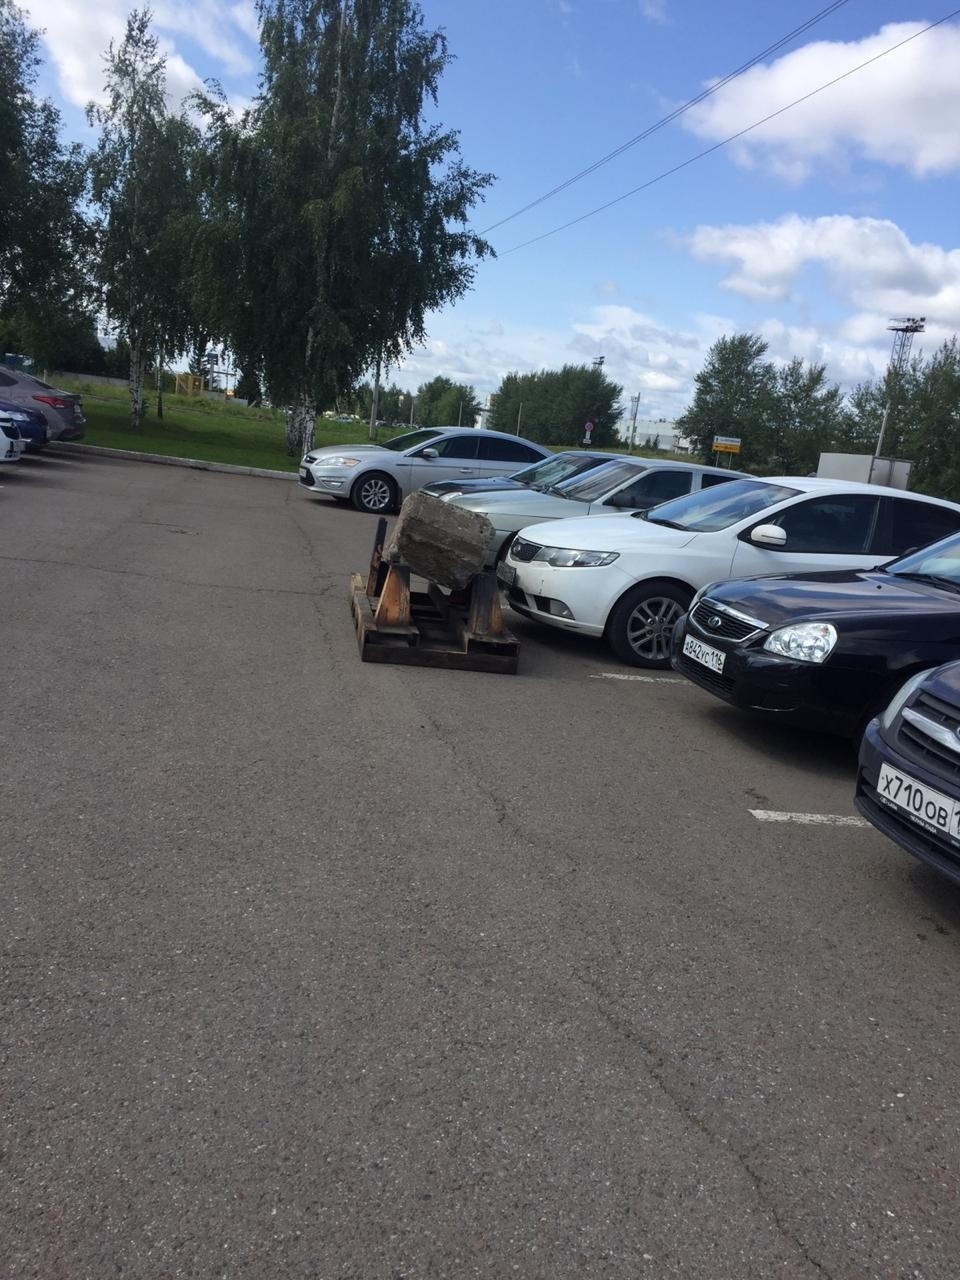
<point x="336" y="971"/>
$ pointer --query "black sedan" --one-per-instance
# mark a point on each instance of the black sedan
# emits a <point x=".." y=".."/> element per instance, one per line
<point x="908" y="783"/>
<point x="824" y="651"/>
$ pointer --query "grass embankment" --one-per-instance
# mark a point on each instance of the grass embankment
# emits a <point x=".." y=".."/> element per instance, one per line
<point x="197" y="427"/>
<point x="217" y="430"/>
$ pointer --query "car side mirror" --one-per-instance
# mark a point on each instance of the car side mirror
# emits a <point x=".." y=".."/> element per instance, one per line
<point x="768" y="535"/>
<point x="429" y="453"/>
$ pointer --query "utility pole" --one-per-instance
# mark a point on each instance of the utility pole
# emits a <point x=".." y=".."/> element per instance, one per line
<point x="903" y="329"/>
<point x="519" y="411"/>
<point x="633" y="427"/>
<point x="412" y="399"/>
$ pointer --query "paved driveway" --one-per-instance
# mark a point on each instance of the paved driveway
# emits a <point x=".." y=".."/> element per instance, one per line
<point x="317" y="969"/>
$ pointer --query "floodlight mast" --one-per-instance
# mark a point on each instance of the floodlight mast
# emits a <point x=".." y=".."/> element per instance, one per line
<point x="903" y="329"/>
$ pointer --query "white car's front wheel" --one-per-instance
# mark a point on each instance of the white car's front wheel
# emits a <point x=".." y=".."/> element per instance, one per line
<point x="641" y="624"/>
<point x="375" y="493"/>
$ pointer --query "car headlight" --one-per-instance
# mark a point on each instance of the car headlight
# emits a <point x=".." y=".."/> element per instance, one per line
<point x="339" y="460"/>
<point x="899" y="699"/>
<point x="11" y="415"/>
<point x="567" y="558"/>
<point x="803" y="641"/>
<point x="448" y="494"/>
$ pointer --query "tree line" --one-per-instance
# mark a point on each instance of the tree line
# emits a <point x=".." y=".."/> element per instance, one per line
<point x="787" y="415"/>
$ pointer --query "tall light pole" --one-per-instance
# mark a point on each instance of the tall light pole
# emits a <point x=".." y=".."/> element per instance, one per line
<point x="903" y="329"/>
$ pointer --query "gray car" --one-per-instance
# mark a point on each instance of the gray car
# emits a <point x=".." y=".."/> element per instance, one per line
<point x="62" y="409"/>
<point x="377" y="477"/>
<point x="626" y="484"/>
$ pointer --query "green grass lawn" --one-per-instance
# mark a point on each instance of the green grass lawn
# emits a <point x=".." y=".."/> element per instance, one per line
<point x="216" y="430"/>
<point x="197" y="427"/>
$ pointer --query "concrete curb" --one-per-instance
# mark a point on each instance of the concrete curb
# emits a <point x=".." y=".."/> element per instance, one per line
<point x="196" y="464"/>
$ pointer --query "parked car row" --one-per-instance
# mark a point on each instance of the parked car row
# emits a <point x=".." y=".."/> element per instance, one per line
<point x="32" y="414"/>
<point x="824" y="604"/>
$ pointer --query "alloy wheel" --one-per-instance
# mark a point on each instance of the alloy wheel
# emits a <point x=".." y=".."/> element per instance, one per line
<point x="650" y="627"/>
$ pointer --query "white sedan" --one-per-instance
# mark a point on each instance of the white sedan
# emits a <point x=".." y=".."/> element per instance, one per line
<point x="631" y="578"/>
<point x="377" y="477"/>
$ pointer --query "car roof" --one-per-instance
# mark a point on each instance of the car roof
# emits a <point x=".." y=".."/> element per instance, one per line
<point x="820" y="484"/>
<point x="482" y="431"/>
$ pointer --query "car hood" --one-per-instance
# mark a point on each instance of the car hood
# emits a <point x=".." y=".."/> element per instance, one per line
<point x="606" y="533"/>
<point x="337" y="450"/>
<point x="879" y="597"/>
<point x="475" y="501"/>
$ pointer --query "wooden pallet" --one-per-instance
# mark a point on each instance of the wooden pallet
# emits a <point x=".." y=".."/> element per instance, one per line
<point x="462" y="631"/>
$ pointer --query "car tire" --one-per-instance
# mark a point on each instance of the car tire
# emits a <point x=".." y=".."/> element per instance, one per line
<point x="374" y="493"/>
<point x="641" y="623"/>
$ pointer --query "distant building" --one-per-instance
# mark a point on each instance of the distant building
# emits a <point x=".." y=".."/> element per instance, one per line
<point x="660" y="433"/>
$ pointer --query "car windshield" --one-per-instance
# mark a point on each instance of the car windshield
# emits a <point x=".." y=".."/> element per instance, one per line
<point x="410" y="440"/>
<point x="720" y="506"/>
<point x="552" y="470"/>
<point x="599" y="482"/>
<point x="939" y="563"/>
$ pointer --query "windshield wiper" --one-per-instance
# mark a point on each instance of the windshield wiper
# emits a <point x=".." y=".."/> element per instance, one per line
<point x="667" y="524"/>
<point x="937" y="579"/>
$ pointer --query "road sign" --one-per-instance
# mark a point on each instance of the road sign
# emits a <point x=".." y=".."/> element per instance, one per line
<point x="587" y="432"/>
<point x="726" y="444"/>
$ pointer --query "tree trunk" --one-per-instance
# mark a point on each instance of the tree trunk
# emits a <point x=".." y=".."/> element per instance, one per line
<point x="137" y="374"/>
<point x="160" y="385"/>
<point x="299" y="427"/>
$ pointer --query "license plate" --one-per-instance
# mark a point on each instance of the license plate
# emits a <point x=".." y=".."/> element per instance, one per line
<point x="303" y="471"/>
<point x="928" y="808"/>
<point x="506" y="574"/>
<point x="705" y="654"/>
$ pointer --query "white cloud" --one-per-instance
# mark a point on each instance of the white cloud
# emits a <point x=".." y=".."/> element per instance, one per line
<point x="639" y="354"/>
<point x="77" y="37"/>
<point x="898" y="111"/>
<point x="870" y="264"/>
<point x="653" y="10"/>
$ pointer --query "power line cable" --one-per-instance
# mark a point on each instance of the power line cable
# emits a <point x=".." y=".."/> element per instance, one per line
<point x="668" y="119"/>
<point x="732" y="138"/>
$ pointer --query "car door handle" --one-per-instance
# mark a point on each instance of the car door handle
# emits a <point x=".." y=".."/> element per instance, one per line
<point x="464" y="471"/>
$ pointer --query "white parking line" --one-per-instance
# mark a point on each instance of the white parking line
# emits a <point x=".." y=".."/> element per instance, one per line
<point x="810" y="819"/>
<point x="627" y="675"/>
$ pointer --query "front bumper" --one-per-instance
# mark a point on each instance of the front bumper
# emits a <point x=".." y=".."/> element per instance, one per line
<point x="542" y="593"/>
<point x="929" y="846"/>
<point x="11" y="450"/>
<point x="803" y="694"/>
<point x="332" y="482"/>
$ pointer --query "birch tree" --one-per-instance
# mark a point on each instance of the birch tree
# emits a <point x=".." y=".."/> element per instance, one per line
<point x="339" y="212"/>
<point x="142" y="182"/>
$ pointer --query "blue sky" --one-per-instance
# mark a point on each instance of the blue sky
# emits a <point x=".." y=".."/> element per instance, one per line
<point x="812" y="231"/>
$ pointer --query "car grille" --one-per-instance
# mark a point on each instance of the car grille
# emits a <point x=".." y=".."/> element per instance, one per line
<point x="10" y="430"/>
<point x="719" y="684"/>
<point x="917" y="745"/>
<point x="730" y="626"/>
<point x="524" y="551"/>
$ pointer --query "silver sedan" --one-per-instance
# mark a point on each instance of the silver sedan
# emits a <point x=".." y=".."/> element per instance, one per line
<point x="377" y="477"/>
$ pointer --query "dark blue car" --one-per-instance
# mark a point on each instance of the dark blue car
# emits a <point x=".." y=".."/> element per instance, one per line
<point x="33" y="425"/>
<point x="908" y="784"/>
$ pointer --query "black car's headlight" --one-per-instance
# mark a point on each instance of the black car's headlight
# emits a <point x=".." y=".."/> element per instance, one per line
<point x="803" y="641"/>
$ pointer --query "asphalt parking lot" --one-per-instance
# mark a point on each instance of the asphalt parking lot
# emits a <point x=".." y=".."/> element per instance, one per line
<point x="336" y="971"/>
